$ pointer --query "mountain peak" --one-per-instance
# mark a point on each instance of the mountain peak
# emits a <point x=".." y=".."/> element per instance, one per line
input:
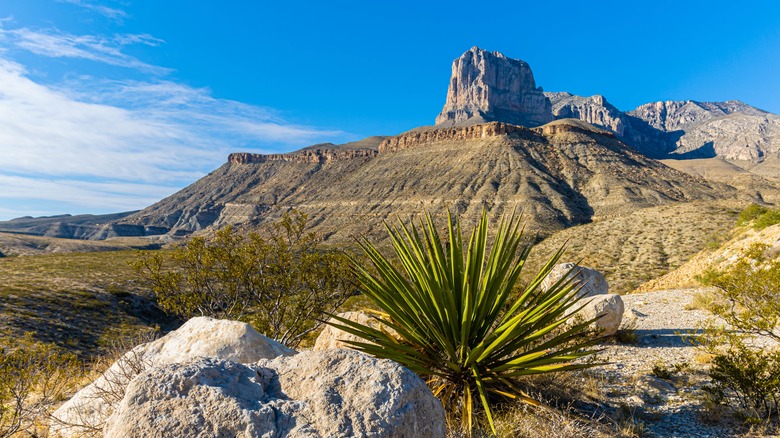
<point x="488" y="86"/>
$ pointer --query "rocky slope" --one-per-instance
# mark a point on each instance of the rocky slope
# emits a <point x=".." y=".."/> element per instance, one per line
<point x="561" y="174"/>
<point x="740" y="244"/>
<point x="85" y="226"/>
<point x="670" y="116"/>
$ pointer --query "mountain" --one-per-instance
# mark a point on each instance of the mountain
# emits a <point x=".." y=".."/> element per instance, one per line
<point x="488" y="86"/>
<point x="564" y="173"/>
<point x="84" y="226"/>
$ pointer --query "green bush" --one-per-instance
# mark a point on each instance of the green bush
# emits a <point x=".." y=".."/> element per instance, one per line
<point x="751" y="212"/>
<point x="746" y="375"/>
<point x="767" y="219"/>
<point x="282" y="282"/>
<point x="760" y="216"/>
<point x="747" y="379"/>
<point x="459" y="324"/>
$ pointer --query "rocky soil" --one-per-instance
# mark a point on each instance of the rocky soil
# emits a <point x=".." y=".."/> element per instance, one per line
<point x="663" y="322"/>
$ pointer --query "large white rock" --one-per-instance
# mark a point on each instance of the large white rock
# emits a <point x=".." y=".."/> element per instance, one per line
<point x="609" y="308"/>
<point x="594" y="290"/>
<point x="198" y="337"/>
<point x="331" y="337"/>
<point x="590" y="280"/>
<point x="330" y="393"/>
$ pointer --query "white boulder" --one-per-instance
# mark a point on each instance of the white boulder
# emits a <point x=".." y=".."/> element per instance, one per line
<point x="198" y="337"/>
<point x="594" y="291"/>
<point x="333" y="393"/>
<point x="331" y="337"/>
<point x="608" y="308"/>
<point x="590" y="281"/>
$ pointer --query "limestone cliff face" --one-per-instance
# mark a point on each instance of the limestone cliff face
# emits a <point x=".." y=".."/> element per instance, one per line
<point x="731" y="130"/>
<point x="488" y="86"/>
<point x="594" y="110"/>
<point x="737" y="137"/>
<point x="414" y="138"/>
<point x="673" y="115"/>
<point x="302" y="156"/>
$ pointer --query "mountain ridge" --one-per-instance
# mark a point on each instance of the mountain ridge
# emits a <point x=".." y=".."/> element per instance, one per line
<point x="662" y="129"/>
<point x="563" y="173"/>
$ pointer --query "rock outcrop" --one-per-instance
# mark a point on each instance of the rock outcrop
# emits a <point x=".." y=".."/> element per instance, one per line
<point x="458" y="133"/>
<point x="488" y="86"/>
<point x="670" y="115"/>
<point x="594" y="291"/>
<point x="331" y="337"/>
<point x="198" y="337"/>
<point x="313" y="394"/>
<point x="594" y="110"/>
<point x="737" y="137"/>
<point x="730" y="130"/>
<point x="303" y="156"/>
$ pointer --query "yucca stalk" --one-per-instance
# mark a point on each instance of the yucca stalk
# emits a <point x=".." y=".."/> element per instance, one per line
<point x="458" y="324"/>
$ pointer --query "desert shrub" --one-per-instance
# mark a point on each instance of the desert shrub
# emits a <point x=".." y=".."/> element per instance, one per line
<point x="748" y="379"/>
<point x="761" y="217"/>
<point x="458" y="322"/>
<point x="745" y="372"/>
<point x="748" y="298"/>
<point x="34" y="377"/>
<point x="767" y="219"/>
<point x="282" y="282"/>
<point x="751" y="212"/>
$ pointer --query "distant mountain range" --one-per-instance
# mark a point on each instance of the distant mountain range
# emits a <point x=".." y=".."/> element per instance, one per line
<point x="500" y="143"/>
<point x="488" y="86"/>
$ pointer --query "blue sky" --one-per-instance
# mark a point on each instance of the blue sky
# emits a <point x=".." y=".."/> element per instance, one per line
<point x="110" y="105"/>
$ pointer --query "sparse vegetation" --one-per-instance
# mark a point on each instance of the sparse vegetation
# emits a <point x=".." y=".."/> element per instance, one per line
<point x="745" y="368"/>
<point x="74" y="300"/>
<point x="633" y="249"/>
<point x="760" y="216"/>
<point x="282" y="283"/>
<point x="458" y="324"/>
<point x="750" y="213"/>
<point x="33" y="378"/>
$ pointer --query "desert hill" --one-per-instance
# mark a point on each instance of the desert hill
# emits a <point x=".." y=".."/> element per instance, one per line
<point x="561" y="174"/>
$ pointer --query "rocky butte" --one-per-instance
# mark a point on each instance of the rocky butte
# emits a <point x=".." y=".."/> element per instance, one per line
<point x="488" y="86"/>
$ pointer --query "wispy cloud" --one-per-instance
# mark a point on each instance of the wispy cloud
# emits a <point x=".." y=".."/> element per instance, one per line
<point x="102" y="146"/>
<point x="106" y="49"/>
<point x="90" y="144"/>
<point x="109" y="12"/>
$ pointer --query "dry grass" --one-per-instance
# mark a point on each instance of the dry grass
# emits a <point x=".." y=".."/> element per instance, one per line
<point x="574" y="405"/>
<point x="632" y="249"/>
<point x="78" y="301"/>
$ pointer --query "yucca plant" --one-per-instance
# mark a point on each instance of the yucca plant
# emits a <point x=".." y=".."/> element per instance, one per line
<point x="458" y="323"/>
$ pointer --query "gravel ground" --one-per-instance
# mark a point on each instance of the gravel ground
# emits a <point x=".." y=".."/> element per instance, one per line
<point x="663" y="323"/>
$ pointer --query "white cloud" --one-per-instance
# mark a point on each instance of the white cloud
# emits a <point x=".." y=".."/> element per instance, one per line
<point x="106" y="145"/>
<point x="104" y="49"/>
<point x="109" y="12"/>
<point x="83" y="195"/>
<point x="96" y="145"/>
